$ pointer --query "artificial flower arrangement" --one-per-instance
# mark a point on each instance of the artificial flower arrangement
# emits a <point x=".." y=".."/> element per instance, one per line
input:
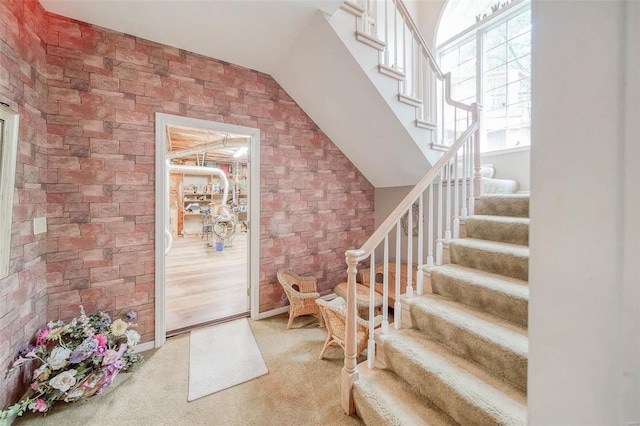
<point x="75" y="360"/>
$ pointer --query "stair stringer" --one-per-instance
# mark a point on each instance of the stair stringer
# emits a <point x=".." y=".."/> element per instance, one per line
<point x="336" y="90"/>
<point x="389" y="87"/>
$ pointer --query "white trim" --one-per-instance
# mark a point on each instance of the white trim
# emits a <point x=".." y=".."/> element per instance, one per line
<point x="506" y="151"/>
<point x="162" y="207"/>
<point x="285" y="309"/>
<point x="142" y="347"/>
<point x="8" y="154"/>
<point x="495" y="18"/>
<point x="272" y="313"/>
<point x="370" y="41"/>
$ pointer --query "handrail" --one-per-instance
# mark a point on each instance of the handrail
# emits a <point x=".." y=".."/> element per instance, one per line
<point x="425" y="86"/>
<point x="397" y="213"/>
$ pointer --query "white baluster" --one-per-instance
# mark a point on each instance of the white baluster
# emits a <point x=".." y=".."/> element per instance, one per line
<point x="410" y="251"/>
<point x="447" y="232"/>
<point x="456" y="198"/>
<point x="386" y="32"/>
<point x="371" y="344"/>
<point x="419" y="276"/>
<point x="439" y="245"/>
<point x="430" y="236"/>
<point x="465" y="169"/>
<point x="397" y="307"/>
<point x="385" y="287"/>
<point x="395" y="35"/>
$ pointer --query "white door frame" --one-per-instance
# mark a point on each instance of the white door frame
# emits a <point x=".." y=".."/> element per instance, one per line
<point x="162" y="211"/>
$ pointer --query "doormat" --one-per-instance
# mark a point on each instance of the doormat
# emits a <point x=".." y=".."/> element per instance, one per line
<point x="222" y="356"/>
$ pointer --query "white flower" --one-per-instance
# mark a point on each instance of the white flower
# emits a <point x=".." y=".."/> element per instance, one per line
<point x="118" y="327"/>
<point x="58" y="357"/>
<point x="132" y="338"/>
<point x="38" y="371"/>
<point x="64" y="380"/>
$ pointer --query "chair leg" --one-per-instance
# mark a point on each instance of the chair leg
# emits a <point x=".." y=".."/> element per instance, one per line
<point x="291" y="317"/>
<point x="326" y="346"/>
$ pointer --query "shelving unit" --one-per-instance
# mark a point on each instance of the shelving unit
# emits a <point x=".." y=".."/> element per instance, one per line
<point x="196" y="196"/>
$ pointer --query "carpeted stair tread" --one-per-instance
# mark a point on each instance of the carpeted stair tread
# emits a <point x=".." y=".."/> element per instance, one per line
<point x="511" y="260"/>
<point x="496" y="344"/>
<point x="383" y="398"/>
<point x="495" y="294"/>
<point x="506" y="229"/>
<point x="515" y="205"/>
<point x="459" y="387"/>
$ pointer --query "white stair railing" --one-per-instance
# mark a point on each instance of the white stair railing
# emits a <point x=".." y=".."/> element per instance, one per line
<point x="405" y="55"/>
<point x="448" y="188"/>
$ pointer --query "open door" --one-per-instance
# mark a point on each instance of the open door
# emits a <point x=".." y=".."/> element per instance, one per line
<point x="206" y="254"/>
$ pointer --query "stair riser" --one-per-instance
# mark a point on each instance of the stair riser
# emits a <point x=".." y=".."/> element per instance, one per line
<point x="509" y="307"/>
<point x="516" y="207"/>
<point x="496" y="231"/>
<point x="442" y="393"/>
<point x="497" y="263"/>
<point x="501" y="361"/>
<point x="366" y="409"/>
<point x="385" y="399"/>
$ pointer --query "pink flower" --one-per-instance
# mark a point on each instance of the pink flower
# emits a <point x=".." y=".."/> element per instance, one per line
<point x="101" y="338"/>
<point x="41" y="336"/>
<point x="41" y="405"/>
<point x="35" y="386"/>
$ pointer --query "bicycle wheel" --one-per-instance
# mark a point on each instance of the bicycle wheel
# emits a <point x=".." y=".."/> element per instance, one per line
<point x="224" y="229"/>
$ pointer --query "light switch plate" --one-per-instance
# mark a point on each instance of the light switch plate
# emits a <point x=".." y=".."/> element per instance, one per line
<point x="39" y="225"/>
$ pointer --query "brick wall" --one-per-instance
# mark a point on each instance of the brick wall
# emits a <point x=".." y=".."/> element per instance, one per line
<point x="23" y="87"/>
<point x="104" y="90"/>
<point x="88" y="97"/>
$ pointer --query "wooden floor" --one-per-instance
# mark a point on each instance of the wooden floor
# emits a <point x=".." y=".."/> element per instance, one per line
<point x="205" y="285"/>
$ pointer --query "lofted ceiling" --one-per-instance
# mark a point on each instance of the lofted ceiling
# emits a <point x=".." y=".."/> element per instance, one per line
<point x="223" y="145"/>
<point x="255" y="34"/>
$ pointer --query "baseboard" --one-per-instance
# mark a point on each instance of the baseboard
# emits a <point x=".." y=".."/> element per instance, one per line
<point x="146" y="346"/>
<point x="285" y="309"/>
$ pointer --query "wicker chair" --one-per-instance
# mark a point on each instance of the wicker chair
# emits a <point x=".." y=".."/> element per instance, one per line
<point x="335" y="318"/>
<point x="301" y="292"/>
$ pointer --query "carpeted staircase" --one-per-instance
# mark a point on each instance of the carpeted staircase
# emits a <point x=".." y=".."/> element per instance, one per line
<point x="465" y="359"/>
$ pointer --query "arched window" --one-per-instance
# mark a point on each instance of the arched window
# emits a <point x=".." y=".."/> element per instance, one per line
<point x="486" y="46"/>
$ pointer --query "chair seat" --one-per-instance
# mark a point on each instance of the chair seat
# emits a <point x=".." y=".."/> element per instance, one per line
<point x="334" y="315"/>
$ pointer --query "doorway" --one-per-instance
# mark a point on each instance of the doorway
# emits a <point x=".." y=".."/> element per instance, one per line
<point x="206" y="199"/>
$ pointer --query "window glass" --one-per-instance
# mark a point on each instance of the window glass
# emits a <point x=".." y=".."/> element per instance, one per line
<point x="506" y="80"/>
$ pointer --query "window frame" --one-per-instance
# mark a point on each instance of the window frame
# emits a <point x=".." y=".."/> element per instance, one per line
<point x="477" y="32"/>
<point x="8" y="155"/>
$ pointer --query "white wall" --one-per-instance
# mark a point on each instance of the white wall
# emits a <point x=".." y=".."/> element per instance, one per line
<point x="511" y="165"/>
<point x="583" y="312"/>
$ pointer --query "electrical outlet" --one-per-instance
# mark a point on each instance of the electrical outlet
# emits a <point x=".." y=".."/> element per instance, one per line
<point x="39" y="225"/>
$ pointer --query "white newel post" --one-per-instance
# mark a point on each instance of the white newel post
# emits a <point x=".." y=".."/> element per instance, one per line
<point x="350" y="369"/>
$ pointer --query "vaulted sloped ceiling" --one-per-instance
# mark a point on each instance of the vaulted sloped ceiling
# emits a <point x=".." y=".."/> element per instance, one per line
<point x="252" y="33"/>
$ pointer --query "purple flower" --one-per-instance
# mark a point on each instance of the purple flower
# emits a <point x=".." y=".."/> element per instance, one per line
<point x="101" y="350"/>
<point x="132" y="315"/>
<point x="27" y="351"/>
<point x="84" y="350"/>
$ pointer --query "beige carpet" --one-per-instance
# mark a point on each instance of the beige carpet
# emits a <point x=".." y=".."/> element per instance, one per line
<point x="299" y="389"/>
<point x="222" y="356"/>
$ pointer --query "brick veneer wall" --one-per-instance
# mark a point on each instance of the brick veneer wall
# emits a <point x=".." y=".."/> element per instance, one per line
<point x="104" y="90"/>
<point x="88" y="97"/>
<point x="23" y="87"/>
